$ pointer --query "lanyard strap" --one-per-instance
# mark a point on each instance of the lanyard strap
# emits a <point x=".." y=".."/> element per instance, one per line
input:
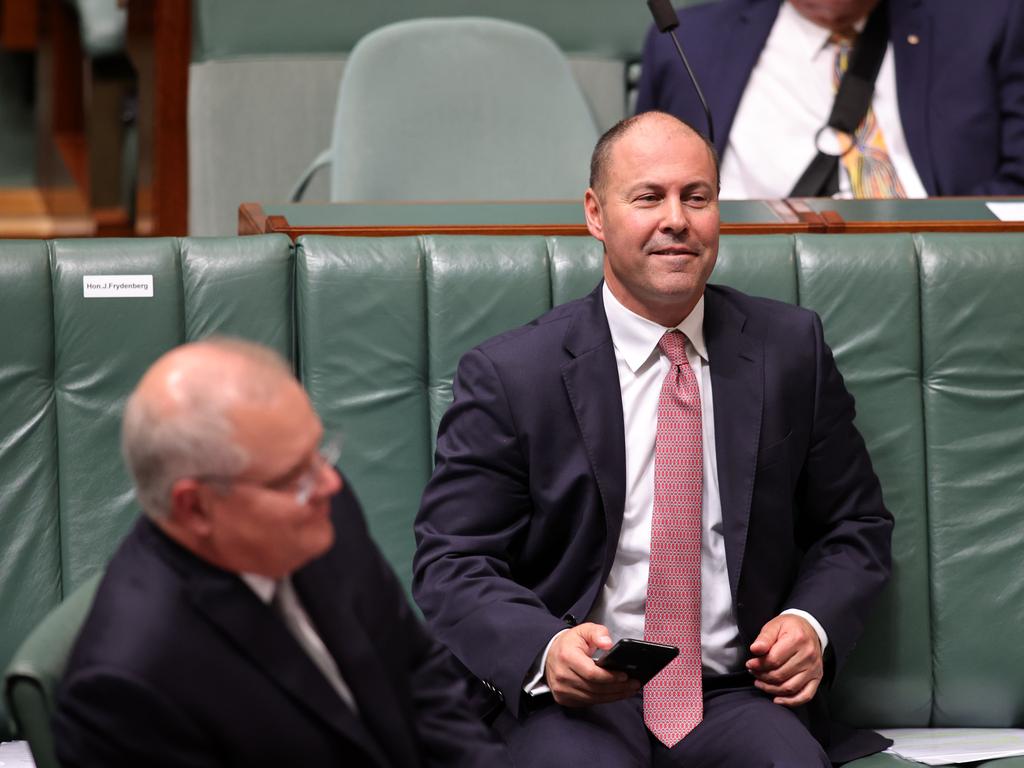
<point x="853" y="98"/>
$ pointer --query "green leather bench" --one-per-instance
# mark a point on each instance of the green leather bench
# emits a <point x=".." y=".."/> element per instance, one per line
<point x="927" y="329"/>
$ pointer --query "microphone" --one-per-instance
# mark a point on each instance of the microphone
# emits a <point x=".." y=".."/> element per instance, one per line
<point x="665" y="20"/>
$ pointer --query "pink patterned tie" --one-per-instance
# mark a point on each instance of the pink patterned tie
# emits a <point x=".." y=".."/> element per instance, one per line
<point x="673" y="700"/>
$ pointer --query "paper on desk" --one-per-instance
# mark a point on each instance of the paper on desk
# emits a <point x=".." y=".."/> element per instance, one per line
<point x="1007" y="211"/>
<point x="15" y="754"/>
<point x="942" y="746"/>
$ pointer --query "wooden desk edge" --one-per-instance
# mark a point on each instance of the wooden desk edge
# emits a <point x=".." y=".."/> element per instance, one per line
<point x="253" y="220"/>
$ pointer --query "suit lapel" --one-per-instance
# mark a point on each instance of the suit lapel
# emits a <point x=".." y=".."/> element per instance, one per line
<point x="737" y="383"/>
<point x="908" y="19"/>
<point x="592" y="384"/>
<point x="256" y="633"/>
<point x="324" y="590"/>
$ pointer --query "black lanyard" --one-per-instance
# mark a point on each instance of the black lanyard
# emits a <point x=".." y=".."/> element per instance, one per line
<point x="853" y="98"/>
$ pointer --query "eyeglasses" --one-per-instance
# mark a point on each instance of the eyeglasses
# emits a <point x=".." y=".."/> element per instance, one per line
<point x="326" y="457"/>
<point x="301" y="487"/>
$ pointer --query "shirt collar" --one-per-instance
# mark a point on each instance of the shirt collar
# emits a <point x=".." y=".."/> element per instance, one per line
<point x="263" y="586"/>
<point x="804" y="35"/>
<point x="636" y="338"/>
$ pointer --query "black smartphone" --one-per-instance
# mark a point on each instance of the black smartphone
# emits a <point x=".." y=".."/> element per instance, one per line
<point x="639" y="659"/>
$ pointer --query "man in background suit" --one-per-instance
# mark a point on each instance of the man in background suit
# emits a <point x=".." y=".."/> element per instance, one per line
<point x="248" y="619"/>
<point x="949" y="97"/>
<point x="535" y="543"/>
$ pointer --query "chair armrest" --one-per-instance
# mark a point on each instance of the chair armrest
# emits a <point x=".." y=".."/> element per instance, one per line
<point x="31" y="680"/>
<point x="299" y="189"/>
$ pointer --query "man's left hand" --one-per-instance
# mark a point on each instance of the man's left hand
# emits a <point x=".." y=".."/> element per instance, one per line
<point x="787" y="664"/>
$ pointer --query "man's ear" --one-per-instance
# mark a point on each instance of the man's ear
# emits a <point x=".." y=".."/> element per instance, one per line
<point x="188" y="510"/>
<point x="594" y="214"/>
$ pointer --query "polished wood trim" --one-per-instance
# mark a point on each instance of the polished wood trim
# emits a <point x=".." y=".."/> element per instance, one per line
<point x="25" y="212"/>
<point x="160" y="46"/>
<point x="796" y="215"/>
<point x="251" y="219"/>
<point x="19" y="24"/>
<point x="950" y="225"/>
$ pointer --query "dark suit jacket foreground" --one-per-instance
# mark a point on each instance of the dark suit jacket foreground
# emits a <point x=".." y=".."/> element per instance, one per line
<point x="959" y="82"/>
<point x="520" y="522"/>
<point x="180" y="664"/>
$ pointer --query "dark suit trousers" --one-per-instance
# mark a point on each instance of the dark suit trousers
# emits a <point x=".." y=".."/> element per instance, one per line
<point x="742" y="728"/>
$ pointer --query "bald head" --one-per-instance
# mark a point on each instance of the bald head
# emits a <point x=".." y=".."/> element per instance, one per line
<point x="601" y="157"/>
<point x="181" y="420"/>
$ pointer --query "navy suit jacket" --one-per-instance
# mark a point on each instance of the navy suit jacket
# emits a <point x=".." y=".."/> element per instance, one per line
<point x="960" y="88"/>
<point x="519" y="524"/>
<point x="180" y="664"/>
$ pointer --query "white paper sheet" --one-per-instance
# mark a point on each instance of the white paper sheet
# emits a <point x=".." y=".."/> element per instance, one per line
<point x="15" y="754"/>
<point x="1007" y="211"/>
<point x="942" y="746"/>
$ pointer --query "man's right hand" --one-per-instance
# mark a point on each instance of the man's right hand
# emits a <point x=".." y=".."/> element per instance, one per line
<point x="573" y="677"/>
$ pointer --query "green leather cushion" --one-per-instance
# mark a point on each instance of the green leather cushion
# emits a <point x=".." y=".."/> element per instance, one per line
<point x="29" y="537"/>
<point x="365" y="369"/>
<point x="866" y="290"/>
<point x="973" y="348"/>
<point x="103" y="346"/>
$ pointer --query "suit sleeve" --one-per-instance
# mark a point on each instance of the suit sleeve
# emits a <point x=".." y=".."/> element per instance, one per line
<point x="1007" y="68"/>
<point x="474" y="513"/>
<point x="106" y="719"/>
<point x="448" y="732"/>
<point x="845" y="530"/>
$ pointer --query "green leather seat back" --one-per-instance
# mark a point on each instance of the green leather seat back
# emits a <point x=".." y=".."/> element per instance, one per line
<point x="103" y="345"/>
<point x="866" y="290"/>
<point x="972" y="311"/>
<point x="445" y="132"/>
<point x="926" y="329"/>
<point x="427" y="300"/>
<point x="29" y="536"/>
<point x="67" y="363"/>
<point x="365" y="369"/>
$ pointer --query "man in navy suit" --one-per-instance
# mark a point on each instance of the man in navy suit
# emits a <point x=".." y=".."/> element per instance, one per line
<point x="248" y="619"/>
<point x="534" y="533"/>
<point x="949" y="95"/>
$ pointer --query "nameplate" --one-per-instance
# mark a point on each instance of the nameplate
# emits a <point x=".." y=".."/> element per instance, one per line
<point x="117" y="286"/>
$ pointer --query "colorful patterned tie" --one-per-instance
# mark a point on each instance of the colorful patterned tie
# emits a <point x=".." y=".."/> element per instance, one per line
<point x="673" y="699"/>
<point x="868" y="164"/>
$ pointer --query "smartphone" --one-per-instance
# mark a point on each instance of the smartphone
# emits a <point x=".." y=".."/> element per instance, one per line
<point x="639" y="659"/>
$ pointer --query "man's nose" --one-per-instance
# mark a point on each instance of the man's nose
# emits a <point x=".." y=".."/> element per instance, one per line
<point x="328" y="482"/>
<point x="675" y="216"/>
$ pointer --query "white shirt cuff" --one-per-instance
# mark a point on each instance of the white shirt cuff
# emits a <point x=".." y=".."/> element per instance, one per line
<point x="535" y="683"/>
<point x="818" y="629"/>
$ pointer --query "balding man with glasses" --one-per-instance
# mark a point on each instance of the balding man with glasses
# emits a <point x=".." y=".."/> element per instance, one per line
<point x="247" y="619"/>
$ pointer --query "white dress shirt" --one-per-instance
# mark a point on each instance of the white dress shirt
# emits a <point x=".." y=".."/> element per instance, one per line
<point x="788" y="98"/>
<point x="620" y="606"/>
<point x="297" y="620"/>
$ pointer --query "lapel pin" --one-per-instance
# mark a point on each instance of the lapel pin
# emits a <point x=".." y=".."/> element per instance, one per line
<point x="913" y="39"/>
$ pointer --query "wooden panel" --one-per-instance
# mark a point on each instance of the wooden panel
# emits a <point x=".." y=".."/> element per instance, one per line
<point x="19" y="24"/>
<point x="160" y="44"/>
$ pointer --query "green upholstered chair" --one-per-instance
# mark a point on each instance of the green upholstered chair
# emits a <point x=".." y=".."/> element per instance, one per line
<point x="32" y="678"/>
<point x="458" y="109"/>
<point x="926" y="328"/>
<point x="67" y="363"/>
